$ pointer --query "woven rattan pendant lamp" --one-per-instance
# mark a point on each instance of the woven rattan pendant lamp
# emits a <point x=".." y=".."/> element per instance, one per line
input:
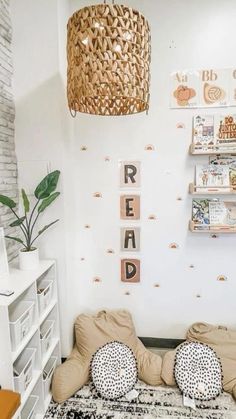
<point x="108" y="53"/>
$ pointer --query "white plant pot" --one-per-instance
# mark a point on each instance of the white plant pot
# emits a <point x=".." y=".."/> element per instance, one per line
<point x="29" y="260"/>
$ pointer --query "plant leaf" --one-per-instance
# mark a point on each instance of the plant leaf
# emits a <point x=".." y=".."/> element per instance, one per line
<point x="25" y="200"/>
<point x="7" y="201"/>
<point x="47" y="201"/>
<point x="47" y="226"/>
<point x="15" y="238"/>
<point x="17" y="222"/>
<point x="47" y="185"/>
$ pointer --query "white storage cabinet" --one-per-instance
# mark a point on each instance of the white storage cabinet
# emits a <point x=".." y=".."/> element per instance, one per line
<point x="30" y="337"/>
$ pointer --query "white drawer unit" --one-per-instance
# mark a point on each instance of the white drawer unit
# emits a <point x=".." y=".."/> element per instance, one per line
<point x="30" y="337"/>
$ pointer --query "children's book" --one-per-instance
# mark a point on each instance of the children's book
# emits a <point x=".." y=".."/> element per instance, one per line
<point x="222" y="213"/>
<point x="212" y="178"/>
<point x="203" y="132"/>
<point x="200" y="212"/>
<point x="225" y="130"/>
<point x="225" y="160"/>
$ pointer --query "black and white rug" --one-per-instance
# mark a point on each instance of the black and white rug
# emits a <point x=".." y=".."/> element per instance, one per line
<point x="151" y="403"/>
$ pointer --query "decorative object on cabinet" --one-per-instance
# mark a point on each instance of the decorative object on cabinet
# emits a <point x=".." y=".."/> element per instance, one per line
<point x="30" y="340"/>
<point x="45" y="194"/>
<point x="3" y="256"/>
<point x="108" y="54"/>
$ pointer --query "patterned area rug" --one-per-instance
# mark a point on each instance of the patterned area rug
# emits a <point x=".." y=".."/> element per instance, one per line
<point x="151" y="403"/>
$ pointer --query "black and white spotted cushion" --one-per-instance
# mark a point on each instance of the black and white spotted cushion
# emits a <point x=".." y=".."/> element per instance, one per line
<point x="114" y="370"/>
<point x="198" y="371"/>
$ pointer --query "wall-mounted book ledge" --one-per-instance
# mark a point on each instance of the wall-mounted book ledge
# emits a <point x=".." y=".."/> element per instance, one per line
<point x="207" y="228"/>
<point x="196" y="150"/>
<point x="211" y="190"/>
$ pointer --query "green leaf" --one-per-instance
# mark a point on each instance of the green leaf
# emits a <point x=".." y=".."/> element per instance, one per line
<point x="47" y="201"/>
<point x="18" y="222"/>
<point x="7" y="201"/>
<point x="15" y="238"/>
<point x="47" y="185"/>
<point x="25" y="200"/>
<point x="46" y="227"/>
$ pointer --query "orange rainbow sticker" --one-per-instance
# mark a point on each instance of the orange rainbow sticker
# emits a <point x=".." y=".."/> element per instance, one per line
<point x="83" y="148"/>
<point x="180" y="125"/>
<point x="87" y="226"/>
<point x="127" y="293"/>
<point x="179" y="198"/>
<point x="173" y="246"/>
<point x="97" y="195"/>
<point x="149" y="147"/>
<point x="107" y="158"/>
<point x="110" y="251"/>
<point x="152" y="217"/>
<point x="198" y="296"/>
<point x="97" y="279"/>
<point x="156" y="285"/>
<point x="222" y="278"/>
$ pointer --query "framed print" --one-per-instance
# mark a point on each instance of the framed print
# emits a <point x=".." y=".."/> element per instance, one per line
<point x="4" y="271"/>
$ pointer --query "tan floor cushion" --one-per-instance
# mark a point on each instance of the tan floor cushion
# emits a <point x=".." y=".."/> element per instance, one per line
<point x="92" y="332"/>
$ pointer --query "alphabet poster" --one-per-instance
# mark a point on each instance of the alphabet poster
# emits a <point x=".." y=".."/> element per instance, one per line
<point x="130" y="174"/>
<point x="130" y="270"/>
<point x="130" y="207"/>
<point x="208" y="87"/>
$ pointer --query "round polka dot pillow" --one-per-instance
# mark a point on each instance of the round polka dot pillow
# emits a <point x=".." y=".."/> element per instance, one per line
<point x="114" y="370"/>
<point x="198" y="371"/>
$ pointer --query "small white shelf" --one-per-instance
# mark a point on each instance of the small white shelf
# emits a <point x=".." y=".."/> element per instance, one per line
<point x="212" y="229"/>
<point x="196" y="151"/>
<point x="217" y="190"/>
<point x="24" y="284"/>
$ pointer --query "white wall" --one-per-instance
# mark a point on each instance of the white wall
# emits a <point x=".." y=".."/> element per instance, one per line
<point x="184" y="35"/>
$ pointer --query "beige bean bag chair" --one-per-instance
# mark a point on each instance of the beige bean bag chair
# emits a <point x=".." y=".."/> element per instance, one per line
<point x="91" y="332"/>
<point x="219" y="338"/>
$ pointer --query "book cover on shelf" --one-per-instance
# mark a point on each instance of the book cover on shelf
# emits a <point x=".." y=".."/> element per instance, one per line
<point x="230" y="162"/>
<point x="222" y="213"/>
<point x="225" y="130"/>
<point x="203" y="132"/>
<point x="212" y="177"/>
<point x="200" y="212"/>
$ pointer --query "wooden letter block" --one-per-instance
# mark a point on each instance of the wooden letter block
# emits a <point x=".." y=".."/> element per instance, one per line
<point x="130" y="207"/>
<point x="130" y="270"/>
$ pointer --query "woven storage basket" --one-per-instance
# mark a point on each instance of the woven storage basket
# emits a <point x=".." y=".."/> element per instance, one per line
<point x="108" y="52"/>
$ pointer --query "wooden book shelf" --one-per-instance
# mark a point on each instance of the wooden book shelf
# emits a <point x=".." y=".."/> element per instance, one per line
<point x="216" y="229"/>
<point x="211" y="190"/>
<point x="214" y="150"/>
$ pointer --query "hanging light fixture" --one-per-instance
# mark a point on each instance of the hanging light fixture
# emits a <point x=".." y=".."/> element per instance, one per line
<point x="108" y="53"/>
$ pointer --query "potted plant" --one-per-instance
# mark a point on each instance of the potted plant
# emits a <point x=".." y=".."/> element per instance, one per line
<point x="45" y="194"/>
